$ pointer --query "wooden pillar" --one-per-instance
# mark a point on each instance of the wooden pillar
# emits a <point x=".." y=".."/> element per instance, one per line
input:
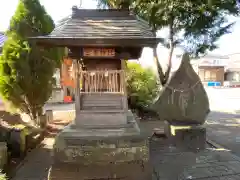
<point x="125" y="102"/>
<point x="64" y="72"/>
<point x="76" y="84"/>
<point x="63" y="76"/>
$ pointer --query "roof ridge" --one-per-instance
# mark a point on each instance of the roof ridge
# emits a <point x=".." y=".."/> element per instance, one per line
<point x="145" y="23"/>
<point x="62" y="22"/>
<point x="92" y="9"/>
<point x="90" y="13"/>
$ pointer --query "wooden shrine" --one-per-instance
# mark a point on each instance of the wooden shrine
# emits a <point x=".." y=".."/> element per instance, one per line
<point x="99" y="42"/>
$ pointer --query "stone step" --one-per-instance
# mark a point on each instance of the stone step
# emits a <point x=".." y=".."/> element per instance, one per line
<point x="102" y="111"/>
<point x="100" y="118"/>
<point x="101" y="101"/>
<point x="101" y="108"/>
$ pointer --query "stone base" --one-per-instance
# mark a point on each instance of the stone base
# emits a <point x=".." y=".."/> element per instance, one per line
<point x="170" y="162"/>
<point x="177" y="150"/>
<point x="187" y="137"/>
<point x="123" y="171"/>
<point x="110" y="150"/>
<point x="91" y="118"/>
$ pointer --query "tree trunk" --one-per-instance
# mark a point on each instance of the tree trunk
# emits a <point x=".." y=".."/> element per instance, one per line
<point x="171" y="48"/>
<point x="159" y="68"/>
<point x="34" y="114"/>
<point x="156" y="61"/>
<point x="167" y="74"/>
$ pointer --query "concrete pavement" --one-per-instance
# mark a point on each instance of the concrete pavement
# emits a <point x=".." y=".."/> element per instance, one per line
<point x="223" y="122"/>
<point x="224" y="129"/>
<point x="211" y="164"/>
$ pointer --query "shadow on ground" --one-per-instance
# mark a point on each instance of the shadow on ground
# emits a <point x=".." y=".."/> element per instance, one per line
<point x="37" y="163"/>
<point x="206" y="165"/>
<point x="11" y="119"/>
<point x="224" y="129"/>
<point x="55" y="127"/>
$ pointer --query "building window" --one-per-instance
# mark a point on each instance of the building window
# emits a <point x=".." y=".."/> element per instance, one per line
<point x="210" y="75"/>
<point x="207" y="74"/>
<point x="216" y="61"/>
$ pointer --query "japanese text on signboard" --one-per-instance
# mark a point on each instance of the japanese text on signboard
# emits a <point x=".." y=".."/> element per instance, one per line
<point x="98" y="52"/>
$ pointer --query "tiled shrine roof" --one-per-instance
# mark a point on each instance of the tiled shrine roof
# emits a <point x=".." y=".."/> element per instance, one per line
<point x="97" y="24"/>
<point x="102" y="26"/>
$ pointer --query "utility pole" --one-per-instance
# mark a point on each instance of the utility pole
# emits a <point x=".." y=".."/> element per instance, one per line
<point x="80" y="5"/>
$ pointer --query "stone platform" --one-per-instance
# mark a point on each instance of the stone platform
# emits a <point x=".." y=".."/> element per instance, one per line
<point x="210" y="164"/>
<point x="123" y="171"/>
<point x="178" y="149"/>
<point x="116" y="151"/>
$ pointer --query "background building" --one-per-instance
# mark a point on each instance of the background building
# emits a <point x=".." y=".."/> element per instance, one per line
<point x="211" y="69"/>
<point x="2" y="40"/>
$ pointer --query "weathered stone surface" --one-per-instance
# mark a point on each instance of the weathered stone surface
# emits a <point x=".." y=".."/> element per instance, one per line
<point x="179" y="149"/>
<point x="100" y="154"/>
<point x="189" y="138"/>
<point x="183" y="99"/>
<point x="100" y="145"/>
<point x="123" y="171"/>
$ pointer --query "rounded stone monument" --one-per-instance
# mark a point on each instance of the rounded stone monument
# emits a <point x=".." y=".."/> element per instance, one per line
<point x="183" y="100"/>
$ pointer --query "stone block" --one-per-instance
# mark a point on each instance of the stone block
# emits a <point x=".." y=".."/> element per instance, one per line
<point x="189" y="138"/>
<point x="167" y="129"/>
<point x="100" y="151"/>
<point x="124" y="171"/>
<point x="169" y="161"/>
<point x="176" y="151"/>
<point x="100" y="145"/>
<point x="91" y="118"/>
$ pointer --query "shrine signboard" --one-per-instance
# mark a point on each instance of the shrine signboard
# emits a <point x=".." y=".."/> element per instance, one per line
<point x="99" y="52"/>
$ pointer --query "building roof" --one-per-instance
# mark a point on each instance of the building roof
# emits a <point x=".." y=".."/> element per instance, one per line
<point x="230" y="62"/>
<point x="234" y="63"/>
<point x="211" y="60"/>
<point x="103" y="27"/>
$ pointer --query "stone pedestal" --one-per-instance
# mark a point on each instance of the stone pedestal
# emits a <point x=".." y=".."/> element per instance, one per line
<point x="123" y="171"/>
<point x="177" y="150"/>
<point x="188" y="137"/>
<point x="100" y="152"/>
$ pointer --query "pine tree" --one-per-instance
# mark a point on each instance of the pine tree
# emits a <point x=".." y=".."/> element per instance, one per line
<point x="26" y="71"/>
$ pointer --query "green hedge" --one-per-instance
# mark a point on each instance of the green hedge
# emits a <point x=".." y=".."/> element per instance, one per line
<point x="142" y="86"/>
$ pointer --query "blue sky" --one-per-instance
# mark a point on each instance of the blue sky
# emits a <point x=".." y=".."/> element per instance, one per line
<point x="59" y="9"/>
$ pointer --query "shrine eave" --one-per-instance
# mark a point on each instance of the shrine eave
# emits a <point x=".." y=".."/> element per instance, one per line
<point x="95" y="42"/>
